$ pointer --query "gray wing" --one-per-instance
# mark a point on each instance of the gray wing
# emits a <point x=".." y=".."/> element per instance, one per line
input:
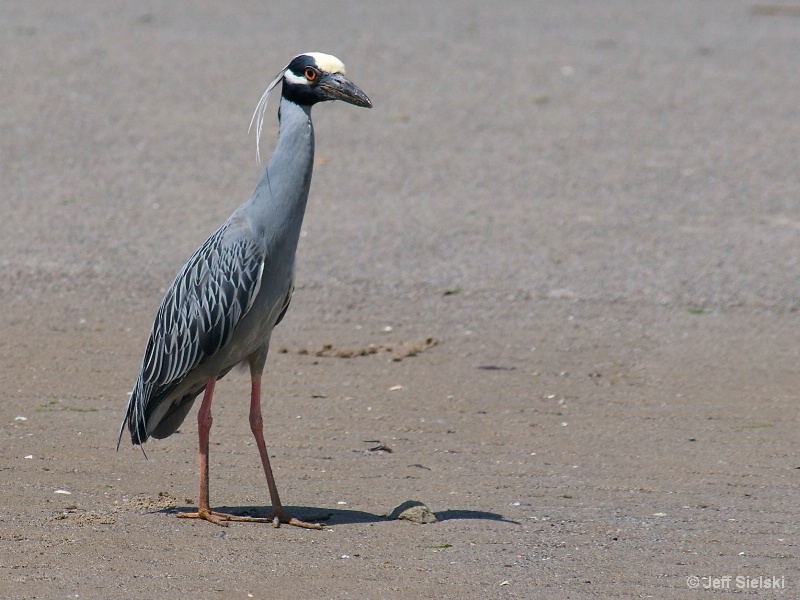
<point x="198" y="314"/>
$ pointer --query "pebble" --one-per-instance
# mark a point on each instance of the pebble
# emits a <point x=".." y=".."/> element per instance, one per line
<point x="414" y="511"/>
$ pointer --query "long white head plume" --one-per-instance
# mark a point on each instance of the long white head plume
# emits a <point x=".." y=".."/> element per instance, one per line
<point x="261" y="107"/>
<point x="325" y="62"/>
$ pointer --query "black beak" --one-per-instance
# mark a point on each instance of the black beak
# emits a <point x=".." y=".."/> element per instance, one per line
<point x="338" y="87"/>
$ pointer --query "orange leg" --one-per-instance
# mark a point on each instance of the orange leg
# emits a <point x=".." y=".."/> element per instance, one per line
<point x="203" y="428"/>
<point x="278" y="515"/>
<point x="204" y="421"/>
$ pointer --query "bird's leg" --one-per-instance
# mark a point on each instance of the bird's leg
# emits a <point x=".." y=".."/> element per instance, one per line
<point x="203" y="429"/>
<point x="278" y="515"/>
<point x="204" y="421"/>
<point x="204" y="511"/>
<point x="203" y="507"/>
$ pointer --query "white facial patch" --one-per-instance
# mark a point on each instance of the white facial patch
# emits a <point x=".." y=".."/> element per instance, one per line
<point x="296" y="79"/>
<point x="326" y="62"/>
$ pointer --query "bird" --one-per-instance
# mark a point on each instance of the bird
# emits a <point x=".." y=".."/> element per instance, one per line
<point x="221" y="308"/>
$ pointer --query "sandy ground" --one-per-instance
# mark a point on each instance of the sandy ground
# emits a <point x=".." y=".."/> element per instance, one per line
<point x="592" y="207"/>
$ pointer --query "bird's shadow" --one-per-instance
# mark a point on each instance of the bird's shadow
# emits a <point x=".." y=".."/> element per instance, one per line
<point x="452" y="515"/>
<point x="337" y="516"/>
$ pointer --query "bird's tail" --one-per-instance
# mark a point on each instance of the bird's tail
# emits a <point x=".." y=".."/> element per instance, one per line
<point x="135" y="416"/>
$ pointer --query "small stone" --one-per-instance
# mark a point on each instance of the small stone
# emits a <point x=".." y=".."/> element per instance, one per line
<point x="414" y="511"/>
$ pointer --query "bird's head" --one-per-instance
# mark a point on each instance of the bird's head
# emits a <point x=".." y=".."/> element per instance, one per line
<point x="309" y="78"/>
<point x="315" y="77"/>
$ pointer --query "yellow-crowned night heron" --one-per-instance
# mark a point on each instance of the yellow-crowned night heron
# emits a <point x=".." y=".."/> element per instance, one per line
<point x="225" y="301"/>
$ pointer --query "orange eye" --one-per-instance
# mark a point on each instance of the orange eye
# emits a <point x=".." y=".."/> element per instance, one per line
<point x="311" y="74"/>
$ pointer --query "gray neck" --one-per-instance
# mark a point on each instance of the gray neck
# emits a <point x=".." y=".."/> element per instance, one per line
<point x="279" y="200"/>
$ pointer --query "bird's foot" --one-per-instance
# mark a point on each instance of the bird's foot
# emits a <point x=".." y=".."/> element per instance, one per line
<point x="218" y="518"/>
<point x="277" y="518"/>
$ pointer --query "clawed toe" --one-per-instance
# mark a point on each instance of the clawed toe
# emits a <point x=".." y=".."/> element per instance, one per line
<point x="280" y="517"/>
<point x="277" y="518"/>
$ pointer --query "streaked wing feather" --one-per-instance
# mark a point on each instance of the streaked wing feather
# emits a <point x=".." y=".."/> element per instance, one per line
<point x="198" y="315"/>
<point x="200" y="311"/>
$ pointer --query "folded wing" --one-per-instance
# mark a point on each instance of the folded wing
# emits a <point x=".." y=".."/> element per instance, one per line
<point x="212" y="293"/>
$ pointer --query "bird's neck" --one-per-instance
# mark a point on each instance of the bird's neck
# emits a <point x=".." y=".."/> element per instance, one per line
<point x="279" y="200"/>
